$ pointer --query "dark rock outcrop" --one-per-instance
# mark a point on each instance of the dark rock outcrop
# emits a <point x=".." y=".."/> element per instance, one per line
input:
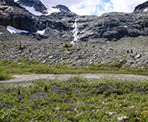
<point x="62" y="8"/>
<point x="141" y="7"/>
<point x="18" y="18"/>
<point x="113" y="26"/>
<point x="64" y="13"/>
<point x="9" y="2"/>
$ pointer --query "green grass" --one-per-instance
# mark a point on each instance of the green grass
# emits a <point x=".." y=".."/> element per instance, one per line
<point x="76" y="100"/>
<point x="9" y="68"/>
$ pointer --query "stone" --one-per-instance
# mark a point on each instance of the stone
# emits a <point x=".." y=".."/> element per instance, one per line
<point x="44" y="61"/>
<point x="138" y="56"/>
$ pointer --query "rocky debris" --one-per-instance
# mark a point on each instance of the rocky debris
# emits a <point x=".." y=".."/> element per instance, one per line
<point x="18" y="46"/>
<point x="138" y="56"/>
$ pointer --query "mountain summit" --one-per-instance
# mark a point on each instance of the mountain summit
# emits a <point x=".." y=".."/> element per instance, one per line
<point x="36" y="4"/>
<point x="62" y="8"/>
<point x="142" y="7"/>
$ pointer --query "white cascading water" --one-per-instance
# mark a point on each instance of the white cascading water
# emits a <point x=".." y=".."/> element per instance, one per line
<point x="75" y="32"/>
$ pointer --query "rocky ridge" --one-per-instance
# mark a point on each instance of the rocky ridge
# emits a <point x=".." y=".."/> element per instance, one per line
<point x="110" y="26"/>
<point x="141" y="7"/>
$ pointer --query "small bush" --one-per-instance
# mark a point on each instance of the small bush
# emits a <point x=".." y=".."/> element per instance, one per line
<point x="71" y="49"/>
<point x="77" y="79"/>
<point x="117" y="64"/>
<point x="21" y="47"/>
<point x="67" y="45"/>
<point x="4" y="76"/>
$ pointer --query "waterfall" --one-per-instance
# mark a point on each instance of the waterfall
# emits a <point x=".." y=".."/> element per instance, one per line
<point x="75" y="32"/>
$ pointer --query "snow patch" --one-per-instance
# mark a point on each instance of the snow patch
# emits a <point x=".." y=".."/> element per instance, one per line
<point x="48" y="11"/>
<point x="145" y="10"/>
<point x="125" y="26"/>
<point x="32" y="10"/>
<point x="51" y="10"/>
<point x="111" y="113"/>
<point x="16" y="0"/>
<point x="122" y="118"/>
<point x="41" y="32"/>
<point x="14" y="30"/>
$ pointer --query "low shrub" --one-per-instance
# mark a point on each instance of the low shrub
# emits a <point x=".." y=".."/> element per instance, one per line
<point x="4" y="76"/>
<point x="67" y="45"/>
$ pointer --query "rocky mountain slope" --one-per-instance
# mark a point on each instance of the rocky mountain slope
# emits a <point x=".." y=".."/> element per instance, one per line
<point x="111" y="26"/>
<point x="65" y="36"/>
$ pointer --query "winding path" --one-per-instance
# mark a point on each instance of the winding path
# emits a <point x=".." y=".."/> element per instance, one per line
<point x="29" y="78"/>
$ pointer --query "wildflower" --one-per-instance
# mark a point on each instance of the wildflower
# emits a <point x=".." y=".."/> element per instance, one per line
<point x="111" y="113"/>
<point x="103" y="103"/>
<point x="131" y="106"/>
<point x="122" y="118"/>
<point x="57" y="108"/>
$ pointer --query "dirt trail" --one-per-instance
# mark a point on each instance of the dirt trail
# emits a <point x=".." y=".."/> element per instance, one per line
<point x="31" y="77"/>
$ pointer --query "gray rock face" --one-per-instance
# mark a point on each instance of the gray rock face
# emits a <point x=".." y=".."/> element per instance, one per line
<point x="113" y="26"/>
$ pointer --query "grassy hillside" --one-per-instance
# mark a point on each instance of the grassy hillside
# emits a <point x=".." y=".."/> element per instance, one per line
<point x="8" y="68"/>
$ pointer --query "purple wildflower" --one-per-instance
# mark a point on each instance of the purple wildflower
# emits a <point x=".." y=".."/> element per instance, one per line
<point x="69" y="109"/>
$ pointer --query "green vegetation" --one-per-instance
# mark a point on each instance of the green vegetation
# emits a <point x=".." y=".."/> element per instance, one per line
<point x="71" y="49"/>
<point x="67" y="45"/>
<point x="76" y="100"/>
<point x="23" y="66"/>
<point x="20" y="46"/>
<point x="133" y="55"/>
<point x="4" y="76"/>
